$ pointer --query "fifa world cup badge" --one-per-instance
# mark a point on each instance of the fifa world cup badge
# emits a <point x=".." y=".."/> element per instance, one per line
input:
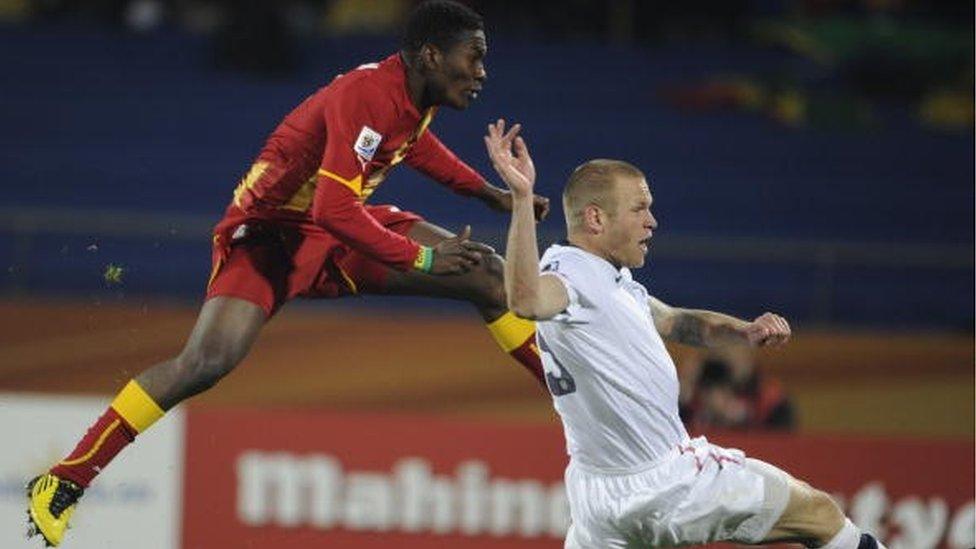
<point x="367" y="143"/>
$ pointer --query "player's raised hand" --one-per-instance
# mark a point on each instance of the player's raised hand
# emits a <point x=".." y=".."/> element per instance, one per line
<point x="768" y="330"/>
<point x="458" y="254"/>
<point x="511" y="159"/>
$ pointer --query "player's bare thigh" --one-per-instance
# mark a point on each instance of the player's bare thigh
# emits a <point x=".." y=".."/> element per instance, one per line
<point x="483" y="285"/>
<point x="811" y="516"/>
<point x="223" y="334"/>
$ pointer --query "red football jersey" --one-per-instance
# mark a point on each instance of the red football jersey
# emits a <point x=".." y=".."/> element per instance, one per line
<point x="331" y="152"/>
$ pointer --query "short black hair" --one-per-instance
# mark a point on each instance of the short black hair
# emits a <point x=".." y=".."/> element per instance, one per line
<point x="439" y="22"/>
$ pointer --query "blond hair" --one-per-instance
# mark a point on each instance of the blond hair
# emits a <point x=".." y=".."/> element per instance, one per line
<point x="593" y="183"/>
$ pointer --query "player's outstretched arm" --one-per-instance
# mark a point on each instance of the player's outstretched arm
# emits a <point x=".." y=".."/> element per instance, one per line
<point x="432" y="158"/>
<point x="710" y="329"/>
<point x="530" y="295"/>
<point x="501" y="200"/>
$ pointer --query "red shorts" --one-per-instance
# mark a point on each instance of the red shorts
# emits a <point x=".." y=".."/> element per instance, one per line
<point x="271" y="262"/>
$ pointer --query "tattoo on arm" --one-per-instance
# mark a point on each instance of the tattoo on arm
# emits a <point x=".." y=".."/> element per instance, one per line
<point x="688" y="329"/>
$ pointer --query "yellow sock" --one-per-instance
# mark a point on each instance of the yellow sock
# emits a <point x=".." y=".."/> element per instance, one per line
<point x="510" y="331"/>
<point x="516" y="336"/>
<point x="136" y="407"/>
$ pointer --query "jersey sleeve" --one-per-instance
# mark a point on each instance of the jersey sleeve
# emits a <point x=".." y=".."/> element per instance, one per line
<point x="432" y="158"/>
<point x="355" y="122"/>
<point x="575" y="275"/>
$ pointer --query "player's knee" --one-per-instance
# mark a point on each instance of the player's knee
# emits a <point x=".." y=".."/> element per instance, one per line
<point x="812" y="517"/>
<point x="824" y="515"/>
<point x="201" y="369"/>
<point x="489" y="287"/>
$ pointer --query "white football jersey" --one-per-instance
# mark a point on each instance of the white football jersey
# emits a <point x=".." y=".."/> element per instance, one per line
<point x="613" y="382"/>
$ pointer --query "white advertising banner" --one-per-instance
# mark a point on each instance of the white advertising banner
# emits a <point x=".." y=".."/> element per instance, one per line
<point x="137" y="502"/>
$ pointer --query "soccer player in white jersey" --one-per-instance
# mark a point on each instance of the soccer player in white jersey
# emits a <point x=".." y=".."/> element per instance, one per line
<point x="635" y="478"/>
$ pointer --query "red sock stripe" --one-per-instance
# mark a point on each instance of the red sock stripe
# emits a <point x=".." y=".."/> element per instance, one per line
<point x="97" y="448"/>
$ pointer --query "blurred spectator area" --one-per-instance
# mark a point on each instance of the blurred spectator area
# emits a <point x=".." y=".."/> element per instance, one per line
<point x="122" y="149"/>
<point x="729" y="389"/>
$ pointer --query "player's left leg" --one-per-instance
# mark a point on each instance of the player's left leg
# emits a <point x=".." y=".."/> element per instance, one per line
<point x="812" y="517"/>
<point x="729" y="497"/>
<point x="483" y="287"/>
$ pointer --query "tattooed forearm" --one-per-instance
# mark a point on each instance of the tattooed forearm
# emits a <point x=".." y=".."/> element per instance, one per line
<point x="696" y="327"/>
<point x="689" y="329"/>
<point x="705" y="328"/>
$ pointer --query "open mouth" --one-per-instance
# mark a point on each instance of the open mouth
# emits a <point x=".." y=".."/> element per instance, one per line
<point x="645" y="244"/>
<point x="473" y="93"/>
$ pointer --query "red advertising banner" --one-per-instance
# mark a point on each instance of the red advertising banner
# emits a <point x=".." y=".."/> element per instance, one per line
<point x="302" y="479"/>
<point x="259" y="479"/>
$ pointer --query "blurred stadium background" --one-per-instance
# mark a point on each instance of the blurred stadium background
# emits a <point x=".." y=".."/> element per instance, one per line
<point x="811" y="157"/>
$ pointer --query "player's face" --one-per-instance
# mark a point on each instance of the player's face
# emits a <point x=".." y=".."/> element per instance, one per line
<point x="629" y="228"/>
<point x="459" y="77"/>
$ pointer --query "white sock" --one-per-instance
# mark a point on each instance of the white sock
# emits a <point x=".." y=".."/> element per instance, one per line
<point x="848" y="538"/>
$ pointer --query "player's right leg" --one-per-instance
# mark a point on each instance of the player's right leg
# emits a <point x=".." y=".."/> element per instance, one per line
<point x="812" y="517"/>
<point x="252" y="277"/>
<point x="224" y="332"/>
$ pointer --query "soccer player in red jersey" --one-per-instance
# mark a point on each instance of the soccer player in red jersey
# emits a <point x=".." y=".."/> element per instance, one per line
<point x="298" y="226"/>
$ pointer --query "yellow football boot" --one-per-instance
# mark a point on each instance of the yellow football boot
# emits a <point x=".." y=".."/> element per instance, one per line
<point x="51" y="501"/>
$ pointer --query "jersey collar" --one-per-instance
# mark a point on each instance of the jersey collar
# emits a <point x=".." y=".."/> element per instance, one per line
<point x="615" y="274"/>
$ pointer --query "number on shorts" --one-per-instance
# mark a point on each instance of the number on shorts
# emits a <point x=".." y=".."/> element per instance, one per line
<point x="561" y="382"/>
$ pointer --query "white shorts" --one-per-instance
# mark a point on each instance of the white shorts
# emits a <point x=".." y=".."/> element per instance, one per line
<point x="698" y="493"/>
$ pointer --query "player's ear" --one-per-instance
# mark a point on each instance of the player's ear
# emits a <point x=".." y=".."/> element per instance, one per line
<point x="430" y="56"/>
<point x="593" y="219"/>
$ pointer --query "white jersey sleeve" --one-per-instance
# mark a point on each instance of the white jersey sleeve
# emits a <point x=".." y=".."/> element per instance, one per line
<point x="573" y="271"/>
